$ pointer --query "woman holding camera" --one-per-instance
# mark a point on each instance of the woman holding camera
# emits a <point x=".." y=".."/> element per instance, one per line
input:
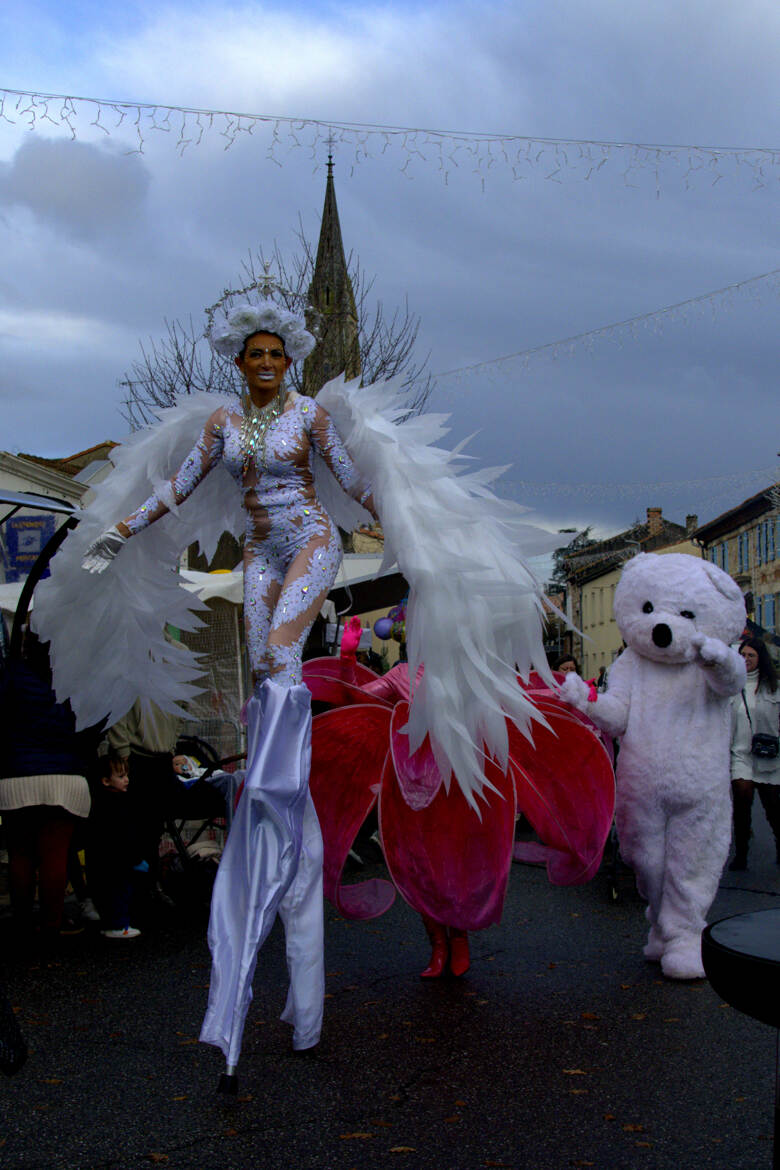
<point x="755" y="718"/>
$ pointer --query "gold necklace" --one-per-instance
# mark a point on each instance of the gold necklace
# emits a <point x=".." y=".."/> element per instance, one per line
<point x="256" y="421"/>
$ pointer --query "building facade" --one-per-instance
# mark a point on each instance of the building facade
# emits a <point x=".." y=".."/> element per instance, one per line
<point x="745" y="543"/>
<point x="23" y="534"/>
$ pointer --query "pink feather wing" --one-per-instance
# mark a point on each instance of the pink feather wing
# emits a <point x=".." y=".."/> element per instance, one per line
<point x="349" y="747"/>
<point x="445" y="860"/>
<point x="566" y="789"/>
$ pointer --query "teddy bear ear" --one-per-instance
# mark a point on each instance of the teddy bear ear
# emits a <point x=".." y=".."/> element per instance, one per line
<point x="639" y="561"/>
<point x="722" y="582"/>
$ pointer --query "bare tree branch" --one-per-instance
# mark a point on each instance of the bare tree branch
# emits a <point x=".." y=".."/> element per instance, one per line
<point x="182" y="362"/>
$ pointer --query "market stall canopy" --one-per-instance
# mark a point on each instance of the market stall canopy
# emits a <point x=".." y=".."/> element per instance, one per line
<point x="16" y="500"/>
<point x="10" y="592"/>
<point x="356" y="584"/>
<point x="357" y="574"/>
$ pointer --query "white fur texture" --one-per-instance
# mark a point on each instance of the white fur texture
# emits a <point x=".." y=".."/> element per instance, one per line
<point x="668" y="702"/>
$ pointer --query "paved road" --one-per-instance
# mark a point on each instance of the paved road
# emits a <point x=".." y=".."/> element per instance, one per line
<point x="561" y="1048"/>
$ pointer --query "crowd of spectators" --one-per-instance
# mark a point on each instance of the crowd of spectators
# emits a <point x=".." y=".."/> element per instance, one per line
<point x="86" y="810"/>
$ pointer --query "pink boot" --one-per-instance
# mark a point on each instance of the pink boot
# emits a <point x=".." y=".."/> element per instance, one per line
<point x="460" y="960"/>
<point x="440" y="952"/>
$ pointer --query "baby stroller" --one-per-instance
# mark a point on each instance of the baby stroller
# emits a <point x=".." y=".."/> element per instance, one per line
<point x="197" y="821"/>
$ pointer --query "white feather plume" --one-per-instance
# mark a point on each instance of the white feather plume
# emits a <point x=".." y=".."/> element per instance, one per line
<point x="107" y="645"/>
<point x="475" y="609"/>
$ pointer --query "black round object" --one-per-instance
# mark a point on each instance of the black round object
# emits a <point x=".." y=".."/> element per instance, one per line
<point x="741" y="957"/>
<point x="662" y="635"/>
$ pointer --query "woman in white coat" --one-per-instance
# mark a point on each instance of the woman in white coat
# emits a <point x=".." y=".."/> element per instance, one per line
<point x="756" y="711"/>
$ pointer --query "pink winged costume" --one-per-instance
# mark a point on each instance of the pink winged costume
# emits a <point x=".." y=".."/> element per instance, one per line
<point x="448" y="864"/>
<point x="474" y="618"/>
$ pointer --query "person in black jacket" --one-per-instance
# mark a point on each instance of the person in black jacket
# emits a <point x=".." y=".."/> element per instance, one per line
<point x="114" y="851"/>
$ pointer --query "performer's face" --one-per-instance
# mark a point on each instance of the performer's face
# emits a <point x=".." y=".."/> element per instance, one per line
<point x="264" y="365"/>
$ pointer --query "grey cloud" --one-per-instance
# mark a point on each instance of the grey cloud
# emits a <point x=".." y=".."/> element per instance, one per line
<point x="84" y="189"/>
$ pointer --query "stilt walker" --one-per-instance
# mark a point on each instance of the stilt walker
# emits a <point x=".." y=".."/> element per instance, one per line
<point x="267" y="443"/>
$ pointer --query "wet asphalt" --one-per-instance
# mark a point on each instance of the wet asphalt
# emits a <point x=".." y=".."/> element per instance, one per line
<point x="560" y="1048"/>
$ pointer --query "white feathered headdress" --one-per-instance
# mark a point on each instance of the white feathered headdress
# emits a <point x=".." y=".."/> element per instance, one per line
<point x="229" y="327"/>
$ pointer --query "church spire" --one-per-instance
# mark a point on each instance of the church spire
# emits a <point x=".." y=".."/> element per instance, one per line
<point x="330" y="293"/>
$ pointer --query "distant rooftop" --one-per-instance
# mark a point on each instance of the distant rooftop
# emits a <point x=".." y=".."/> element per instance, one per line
<point x="741" y="514"/>
<point x="592" y="560"/>
<point x="72" y="465"/>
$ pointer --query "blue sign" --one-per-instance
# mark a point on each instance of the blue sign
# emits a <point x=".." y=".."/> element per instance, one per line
<point x="25" y="537"/>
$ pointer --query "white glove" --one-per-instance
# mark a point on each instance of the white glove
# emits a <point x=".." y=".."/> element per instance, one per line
<point x="102" y="551"/>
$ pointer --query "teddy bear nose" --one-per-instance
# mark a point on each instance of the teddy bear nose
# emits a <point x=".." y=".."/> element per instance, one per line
<point x="662" y="635"/>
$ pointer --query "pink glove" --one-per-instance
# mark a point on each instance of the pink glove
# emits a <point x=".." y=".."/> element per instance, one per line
<point x="350" y="639"/>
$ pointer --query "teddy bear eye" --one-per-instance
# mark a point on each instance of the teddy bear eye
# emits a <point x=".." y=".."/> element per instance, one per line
<point x="647" y="607"/>
<point x="687" y="613"/>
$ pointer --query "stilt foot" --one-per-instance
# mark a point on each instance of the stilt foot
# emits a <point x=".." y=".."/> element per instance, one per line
<point x="227" y="1088"/>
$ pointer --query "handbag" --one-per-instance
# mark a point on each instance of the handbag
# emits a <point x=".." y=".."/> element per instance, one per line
<point x="762" y="745"/>
<point x="766" y="747"/>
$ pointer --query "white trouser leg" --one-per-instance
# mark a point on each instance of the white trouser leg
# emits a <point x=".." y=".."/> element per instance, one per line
<point x="260" y="862"/>
<point x="301" y="911"/>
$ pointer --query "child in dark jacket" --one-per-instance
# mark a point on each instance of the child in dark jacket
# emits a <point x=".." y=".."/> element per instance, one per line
<point x="114" y="850"/>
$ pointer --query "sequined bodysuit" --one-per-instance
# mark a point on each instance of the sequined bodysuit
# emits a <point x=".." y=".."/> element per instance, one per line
<point x="292" y="550"/>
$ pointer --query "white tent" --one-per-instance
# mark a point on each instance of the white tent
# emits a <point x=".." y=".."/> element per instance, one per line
<point x="10" y="592"/>
<point x="355" y="569"/>
<point x="228" y="585"/>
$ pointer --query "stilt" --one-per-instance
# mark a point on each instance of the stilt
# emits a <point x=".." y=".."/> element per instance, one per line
<point x="227" y="1087"/>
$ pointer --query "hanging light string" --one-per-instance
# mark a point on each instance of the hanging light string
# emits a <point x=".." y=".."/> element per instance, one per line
<point x="706" y="490"/>
<point x="717" y="299"/>
<point x="704" y="496"/>
<point x="711" y="486"/>
<point x="449" y="151"/>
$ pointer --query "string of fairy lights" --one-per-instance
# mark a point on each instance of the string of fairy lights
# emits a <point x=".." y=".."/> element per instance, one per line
<point x="708" y="494"/>
<point x="449" y="152"/>
<point x="718" y="483"/>
<point x="707" y="491"/>
<point x="716" y="300"/>
<point x="554" y="159"/>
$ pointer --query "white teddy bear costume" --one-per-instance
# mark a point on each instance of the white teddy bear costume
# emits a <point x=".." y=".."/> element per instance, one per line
<point x="668" y="702"/>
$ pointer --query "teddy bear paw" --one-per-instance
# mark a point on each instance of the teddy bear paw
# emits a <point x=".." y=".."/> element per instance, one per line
<point x="682" y="960"/>
<point x="575" y="690"/>
<point x="710" y="651"/>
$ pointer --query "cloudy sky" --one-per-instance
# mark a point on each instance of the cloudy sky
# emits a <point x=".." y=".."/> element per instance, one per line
<point x="500" y="248"/>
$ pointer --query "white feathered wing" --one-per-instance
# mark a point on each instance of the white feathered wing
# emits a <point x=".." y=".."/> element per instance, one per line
<point x="106" y="630"/>
<point x="475" y="609"/>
